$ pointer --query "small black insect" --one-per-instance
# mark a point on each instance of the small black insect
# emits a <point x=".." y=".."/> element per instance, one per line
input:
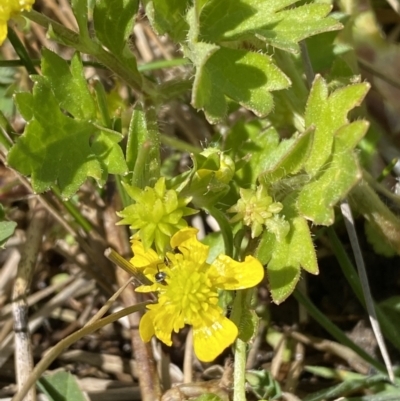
<point x="160" y="277"/>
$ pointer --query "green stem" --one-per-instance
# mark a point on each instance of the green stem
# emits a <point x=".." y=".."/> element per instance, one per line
<point x="5" y="128"/>
<point x="73" y="211"/>
<point x="125" y="199"/>
<point x="128" y="73"/>
<point x="156" y="65"/>
<point x="21" y="51"/>
<point x="161" y="64"/>
<point x="226" y="229"/>
<point x="175" y="143"/>
<point x="102" y="103"/>
<point x="239" y="393"/>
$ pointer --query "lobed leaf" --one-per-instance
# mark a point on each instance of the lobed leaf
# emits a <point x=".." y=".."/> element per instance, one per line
<point x="255" y="139"/>
<point x="68" y="84"/>
<point x="220" y="74"/>
<point x="271" y="21"/>
<point x="335" y="180"/>
<point x="286" y="257"/>
<point x="288" y="158"/>
<point x="60" y="146"/>
<point x="328" y="113"/>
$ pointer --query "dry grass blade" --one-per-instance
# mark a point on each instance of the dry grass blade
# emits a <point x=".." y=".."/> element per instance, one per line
<point x="22" y="340"/>
<point x="349" y="221"/>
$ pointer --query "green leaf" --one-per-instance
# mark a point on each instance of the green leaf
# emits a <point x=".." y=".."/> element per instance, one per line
<point x="216" y="243"/>
<point x="61" y="386"/>
<point x="273" y="22"/>
<point x="143" y="152"/>
<point x="328" y="113"/>
<point x="68" y="84"/>
<point x="167" y="17"/>
<point x="285" y="258"/>
<point x="251" y="139"/>
<point x="340" y="173"/>
<point x="7" y="229"/>
<point x="324" y="50"/>
<point x="54" y="147"/>
<point x="109" y="154"/>
<point x="113" y="22"/>
<point x="243" y="76"/>
<point x="57" y="149"/>
<point x="225" y="226"/>
<point x="288" y="158"/>
<point x="80" y="9"/>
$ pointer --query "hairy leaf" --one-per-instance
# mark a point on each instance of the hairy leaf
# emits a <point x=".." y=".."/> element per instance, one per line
<point x="270" y="21"/>
<point x="68" y="84"/>
<point x="328" y="112"/>
<point x="56" y="148"/>
<point x="250" y="144"/>
<point x="243" y="76"/>
<point x="288" y="158"/>
<point x="168" y="17"/>
<point x="338" y="176"/>
<point x="285" y="258"/>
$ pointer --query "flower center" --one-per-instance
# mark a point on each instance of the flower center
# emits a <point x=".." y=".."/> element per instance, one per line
<point x="190" y="291"/>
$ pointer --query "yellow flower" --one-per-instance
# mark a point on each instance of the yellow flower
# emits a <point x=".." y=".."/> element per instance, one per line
<point x="257" y="209"/>
<point x="189" y="293"/>
<point x="8" y="9"/>
<point x="157" y="213"/>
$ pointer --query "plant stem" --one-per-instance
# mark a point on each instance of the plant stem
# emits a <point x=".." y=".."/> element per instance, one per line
<point x="73" y="211"/>
<point x="21" y="51"/>
<point x="128" y="73"/>
<point x="5" y="128"/>
<point x="239" y="393"/>
<point x="177" y="144"/>
<point x="156" y="65"/>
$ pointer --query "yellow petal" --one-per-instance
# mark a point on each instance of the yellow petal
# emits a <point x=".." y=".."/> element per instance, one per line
<point x="146" y="328"/>
<point x="183" y="235"/>
<point x="238" y="275"/>
<point x="210" y="340"/>
<point x="156" y="322"/>
<point x="3" y="31"/>
<point x="186" y="241"/>
<point x="141" y="257"/>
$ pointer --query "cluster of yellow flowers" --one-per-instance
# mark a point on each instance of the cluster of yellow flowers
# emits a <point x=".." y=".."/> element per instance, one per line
<point x="189" y="292"/>
<point x="9" y="9"/>
<point x="188" y="284"/>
